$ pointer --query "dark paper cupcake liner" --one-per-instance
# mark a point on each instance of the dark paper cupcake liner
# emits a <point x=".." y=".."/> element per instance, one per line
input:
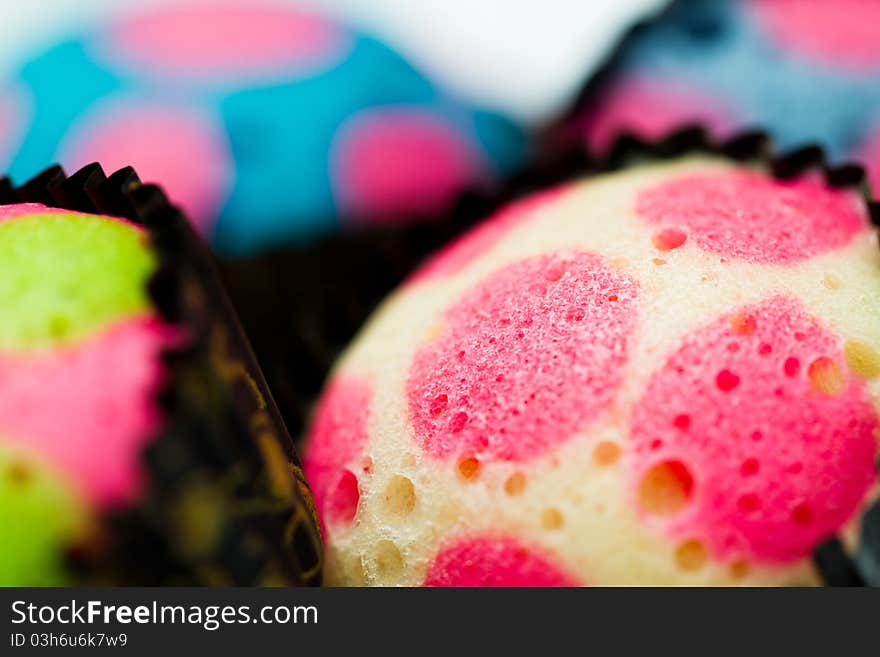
<point x="227" y="502"/>
<point x="301" y="307"/>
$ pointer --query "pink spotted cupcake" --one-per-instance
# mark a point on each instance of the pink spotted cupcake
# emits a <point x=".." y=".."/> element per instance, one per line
<point x="665" y="374"/>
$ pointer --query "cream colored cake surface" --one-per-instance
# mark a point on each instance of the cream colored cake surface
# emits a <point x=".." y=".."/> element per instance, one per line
<point x="661" y="376"/>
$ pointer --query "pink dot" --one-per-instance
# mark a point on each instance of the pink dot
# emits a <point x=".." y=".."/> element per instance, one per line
<point x="335" y="444"/>
<point x="527" y="358"/>
<point x="842" y="32"/>
<point x="777" y="464"/>
<point x="88" y="408"/>
<point x="343" y="499"/>
<point x="650" y="109"/>
<point x="726" y="380"/>
<point x="464" y="250"/>
<point x="753" y="217"/>
<point x="669" y="239"/>
<point x="494" y="561"/>
<point x="234" y="38"/>
<point x="182" y="150"/>
<point x="393" y="162"/>
<point x="750" y="467"/>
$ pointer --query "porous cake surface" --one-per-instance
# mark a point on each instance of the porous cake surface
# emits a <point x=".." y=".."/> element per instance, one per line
<point x="664" y="375"/>
<point x="63" y="275"/>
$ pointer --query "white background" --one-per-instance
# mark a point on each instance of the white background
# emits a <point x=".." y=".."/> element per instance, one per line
<point x="524" y="57"/>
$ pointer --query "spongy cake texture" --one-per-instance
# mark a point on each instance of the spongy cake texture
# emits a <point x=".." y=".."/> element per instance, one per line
<point x="665" y="375"/>
<point x="79" y="372"/>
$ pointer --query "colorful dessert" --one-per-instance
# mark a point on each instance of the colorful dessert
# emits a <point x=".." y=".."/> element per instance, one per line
<point x="75" y="309"/>
<point x="264" y="135"/>
<point x="95" y="373"/>
<point x="803" y="71"/>
<point x="664" y="375"/>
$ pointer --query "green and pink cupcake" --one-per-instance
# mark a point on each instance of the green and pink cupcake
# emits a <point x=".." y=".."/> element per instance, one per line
<point x="86" y="355"/>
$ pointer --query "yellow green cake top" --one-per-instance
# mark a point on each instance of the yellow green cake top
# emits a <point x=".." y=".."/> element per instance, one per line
<point x="61" y="280"/>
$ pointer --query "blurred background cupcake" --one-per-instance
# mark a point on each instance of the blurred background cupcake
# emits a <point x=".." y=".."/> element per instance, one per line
<point x="805" y="71"/>
<point x="274" y="120"/>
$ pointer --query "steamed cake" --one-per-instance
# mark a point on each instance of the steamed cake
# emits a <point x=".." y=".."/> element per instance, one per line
<point x="663" y="375"/>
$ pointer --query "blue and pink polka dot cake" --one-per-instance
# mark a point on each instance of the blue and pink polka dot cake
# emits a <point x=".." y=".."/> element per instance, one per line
<point x="267" y="124"/>
<point x="804" y="71"/>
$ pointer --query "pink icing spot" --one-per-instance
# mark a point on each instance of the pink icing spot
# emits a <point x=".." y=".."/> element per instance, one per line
<point x="753" y="217"/>
<point x="391" y="162"/>
<point x="335" y="444"/>
<point x="777" y="464"/>
<point x="89" y="416"/>
<point x="226" y="39"/>
<point x="842" y="32"/>
<point x="650" y="110"/>
<point x="464" y="250"/>
<point x="869" y="156"/>
<point x="528" y="357"/>
<point x="490" y="561"/>
<point x="183" y="150"/>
